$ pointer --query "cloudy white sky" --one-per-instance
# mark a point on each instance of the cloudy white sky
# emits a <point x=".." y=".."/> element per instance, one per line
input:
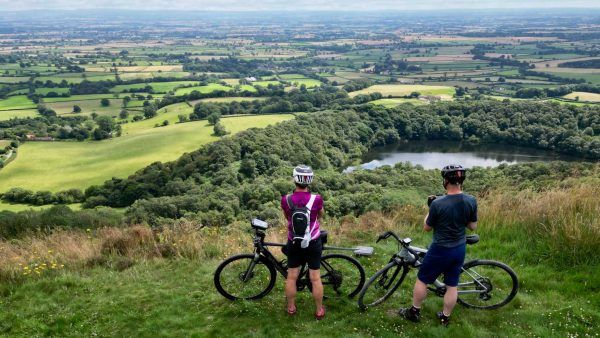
<point x="245" y="5"/>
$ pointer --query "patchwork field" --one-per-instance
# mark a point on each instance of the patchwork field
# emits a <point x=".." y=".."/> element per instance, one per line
<point x="388" y="103"/>
<point x="16" y="102"/>
<point x="213" y="87"/>
<point x="583" y="96"/>
<point x="57" y="166"/>
<point x="157" y="87"/>
<point x="20" y="113"/>
<point x="443" y="92"/>
<point x="87" y="107"/>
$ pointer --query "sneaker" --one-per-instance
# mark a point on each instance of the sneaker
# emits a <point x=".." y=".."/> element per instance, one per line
<point x="444" y="320"/>
<point x="411" y="313"/>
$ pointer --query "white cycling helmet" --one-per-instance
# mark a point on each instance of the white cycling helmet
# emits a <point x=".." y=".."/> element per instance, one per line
<point x="303" y="175"/>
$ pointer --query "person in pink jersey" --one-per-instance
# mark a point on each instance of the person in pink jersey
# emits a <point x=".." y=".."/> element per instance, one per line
<point x="302" y="210"/>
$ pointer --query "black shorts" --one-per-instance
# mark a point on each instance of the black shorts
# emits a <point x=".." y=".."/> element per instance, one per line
<point x="296" y="255"/>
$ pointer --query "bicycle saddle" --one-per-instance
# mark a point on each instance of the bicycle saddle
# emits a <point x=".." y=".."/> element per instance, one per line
<point x="472" y="239"/>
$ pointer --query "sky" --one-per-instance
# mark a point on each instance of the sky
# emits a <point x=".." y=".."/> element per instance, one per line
<point x="277" y="5"/>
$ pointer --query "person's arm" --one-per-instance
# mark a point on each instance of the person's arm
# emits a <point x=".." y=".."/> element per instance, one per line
<point x="321" y="213"/>
<point x="472" y="225"/>
<point x="426" y="227"/>
<point x="429" y="221"/>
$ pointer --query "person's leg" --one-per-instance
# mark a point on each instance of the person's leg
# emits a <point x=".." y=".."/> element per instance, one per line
<point x="450" y="298"/>
<point x="317" y="288"/>
<point x="290" y="287"/>
<point x="419" y="293"/>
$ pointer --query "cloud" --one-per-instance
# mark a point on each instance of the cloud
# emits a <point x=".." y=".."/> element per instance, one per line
<point x="248" y="5"/>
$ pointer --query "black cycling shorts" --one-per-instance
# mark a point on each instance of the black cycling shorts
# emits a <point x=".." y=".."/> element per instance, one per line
<point x="296" y="255"/>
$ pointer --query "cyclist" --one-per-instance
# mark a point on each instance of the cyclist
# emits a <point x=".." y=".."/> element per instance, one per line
<point x="448" y="217"/>
<point x="303" y="207"/>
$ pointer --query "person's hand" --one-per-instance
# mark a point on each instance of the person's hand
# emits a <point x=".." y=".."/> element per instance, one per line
<point x="430" y="199"/>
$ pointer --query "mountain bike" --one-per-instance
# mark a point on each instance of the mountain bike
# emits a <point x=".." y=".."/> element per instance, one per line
<point x="252" y="276"/>
<point x="483" y="284"/>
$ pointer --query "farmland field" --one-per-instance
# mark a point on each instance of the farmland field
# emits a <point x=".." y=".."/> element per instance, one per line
<point x="158" y="87"/>
<point x="394" y="102"/>
<point x="583" y="96"/>
<point x="16" y="102"/>
<point x="20" y="113"/>
<point x="228" y="99"/>
<point x="61" y="165"/>
<point x="87" y="107"/>
<point x="404" y="90"/>
<point x="213" y="87"/>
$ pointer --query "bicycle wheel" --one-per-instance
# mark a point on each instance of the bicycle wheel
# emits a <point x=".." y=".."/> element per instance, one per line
<point x="240" y="277"/>
<point x="342" y="276"/>
<point x="382" y="285"/>
<point x="487" y="285"/>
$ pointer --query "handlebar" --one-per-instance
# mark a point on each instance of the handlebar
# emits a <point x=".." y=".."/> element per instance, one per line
<point x="401" y="242"/>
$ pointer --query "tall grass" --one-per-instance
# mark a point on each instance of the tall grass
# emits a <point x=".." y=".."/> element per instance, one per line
<point x="561" y="225"/>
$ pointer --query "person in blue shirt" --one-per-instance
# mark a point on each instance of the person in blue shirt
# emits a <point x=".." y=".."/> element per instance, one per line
<point x="449" y="217"/>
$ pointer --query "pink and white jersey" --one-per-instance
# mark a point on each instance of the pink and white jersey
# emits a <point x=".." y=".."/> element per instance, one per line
<point x="300" y="199"/>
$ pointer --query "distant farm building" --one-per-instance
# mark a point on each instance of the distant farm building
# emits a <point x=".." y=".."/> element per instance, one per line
<point x="31" y="137"/>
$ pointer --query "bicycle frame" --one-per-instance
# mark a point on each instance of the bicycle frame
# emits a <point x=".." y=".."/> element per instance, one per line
<point x="438" y="286"/>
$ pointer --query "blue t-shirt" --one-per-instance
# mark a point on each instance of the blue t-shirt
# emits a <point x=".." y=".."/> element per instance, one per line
<point x="449" y="216"/>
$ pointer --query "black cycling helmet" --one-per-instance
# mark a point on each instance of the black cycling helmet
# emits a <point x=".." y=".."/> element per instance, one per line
<point x="454" y="173"/>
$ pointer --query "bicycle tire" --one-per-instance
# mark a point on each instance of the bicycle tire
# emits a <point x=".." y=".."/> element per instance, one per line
<point x="331" y="276"/>
<point x="262" y="262"/>
<point x="375" y="278"/>
<point x="513" y="291"/>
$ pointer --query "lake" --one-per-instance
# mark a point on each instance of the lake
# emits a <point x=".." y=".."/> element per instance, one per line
<point x="436" y="154"/>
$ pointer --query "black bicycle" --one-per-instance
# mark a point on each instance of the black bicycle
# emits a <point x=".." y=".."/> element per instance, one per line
<point x="252" y="276"/>
<point x="483" y="284"/>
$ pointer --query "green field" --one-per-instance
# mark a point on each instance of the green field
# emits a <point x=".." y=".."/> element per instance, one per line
<point x="133" y="296"/>
<point x="309" y="83"/>
<point x="61" y="165"/>
<point x="21" y="113"/>
<point x="16" y="102"/>
<point x="388" y="103"/>
<point x="158" y="87"/>
<point x="213" y="87"/>
<point x="87" y="107"/>
<point x="265" y="83"/>
<point x="81" y="97"/>
<point x="443" y="92"/>
<point x="20" y="207"/>
<point x="247" y="88"/>
<point x="228" y="99"/>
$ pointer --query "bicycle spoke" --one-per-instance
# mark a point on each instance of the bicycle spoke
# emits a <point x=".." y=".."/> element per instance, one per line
<point x="340" y="277"/>
<point x="245" y="278"/>
<point x="486" y="286"/>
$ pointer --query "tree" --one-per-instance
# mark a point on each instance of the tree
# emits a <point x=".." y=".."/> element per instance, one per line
<point x="126" y="101"/>
<point x="105" y="102"/>
<point x="123" y="114"/>
<point x="94" y="115"/>
<point x="105" y="123"/>
<point x="76" y="109"/>
<point x="165" y="123"/>
<point x="149" y="111"/>
<point x="219" y="129"/>
<point x="214" y="118"/>
<point x="182" y="118"/>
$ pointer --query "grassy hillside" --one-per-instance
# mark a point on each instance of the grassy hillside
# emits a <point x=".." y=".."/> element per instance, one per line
<point x="114" y="282"/>
<point x="61" y="165"/>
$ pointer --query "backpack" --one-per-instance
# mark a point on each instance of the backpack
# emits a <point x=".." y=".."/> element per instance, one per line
<point x="301" y="229"/>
